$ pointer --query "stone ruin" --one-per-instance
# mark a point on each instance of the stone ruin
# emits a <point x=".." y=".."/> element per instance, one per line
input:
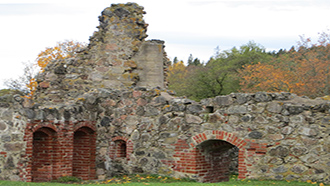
<point x="108" y="112"/>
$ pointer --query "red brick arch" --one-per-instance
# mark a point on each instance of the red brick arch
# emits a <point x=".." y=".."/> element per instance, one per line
<point x="121" y="147"/>
<point x="44" y="125"/>
<point x="84" y="150"/>
<point x="191" y="159"/>
<point x="61" y="139"/>
<point x="87" y="124"/>
<point x="45" y="154"/>
<point x="228" y="138"/>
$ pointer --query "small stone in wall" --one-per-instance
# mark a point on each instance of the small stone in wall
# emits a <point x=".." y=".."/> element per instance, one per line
<point x="276" y="161"/>
<point x="287" y="130"/>
<point x="237" y="109"/>
<point x="294" y="109"/>
<point x="297" y="119"/>
<point x="309" y="158"/>
<point x="259" y="108"/>
<point x="271" y="129"/>
<point x="193" y="119"/>
<point x="13" y="146"/>
<point x="255" y="135"/>
<point x="151" y="111"/>
<point x="307" y="131"/>
<point x="105" y="122"/>
<point x="242" y="98"/>
<point x="280" y="169"/>
<point x="215" y="117"/>
<point x="309" y="141"/>
<point x="247" y="118"/>
<point x="292" y="177"/>
<point x="194" y="109"/>
<point x="3" y="126"/>
<point x="261" y="119"/>
<point x="298" y="151"/>
<point x="9" y="163"/>
<point x="5" y="138"/>
<point x="298" y="169"/>
<point x="145" y="137"/>
<point x="223" y="100"/>
<point x="262" y="97"/>
<point x="279" y="151"/>
<point x="274" y="107"/>
<point x="276" y="137"/>
<point x="233" y="119"/>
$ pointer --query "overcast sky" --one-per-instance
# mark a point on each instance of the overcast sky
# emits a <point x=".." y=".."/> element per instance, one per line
<point x="194" y="27"/>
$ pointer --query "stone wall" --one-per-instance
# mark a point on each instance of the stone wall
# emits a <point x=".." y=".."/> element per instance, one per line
<point x="105" y="113"/>
<point x="12" y="145"/>
<point x="279" y="136"/>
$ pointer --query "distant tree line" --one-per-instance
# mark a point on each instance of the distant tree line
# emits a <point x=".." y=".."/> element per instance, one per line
<point x="304" y="70"/>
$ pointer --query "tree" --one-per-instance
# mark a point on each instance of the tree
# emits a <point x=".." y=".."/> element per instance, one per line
<point x="177" y="74"/>
<point x="175" y="60"/>
<point x="62" y="50"/>
<point x="304" y="71"/>
<point x="219" y="75"/>
<point x="27" y="82"/>
<point x="192" y="61"/>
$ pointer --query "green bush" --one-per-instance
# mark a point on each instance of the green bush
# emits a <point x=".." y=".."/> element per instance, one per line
<point x="67" y="179"/>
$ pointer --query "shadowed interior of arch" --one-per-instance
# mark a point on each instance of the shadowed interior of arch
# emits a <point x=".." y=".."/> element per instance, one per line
<point x="83" y="165"/>
<point x="219" y="159"/>
<point x="44" y="154"/>
<point x="120" y="149"/>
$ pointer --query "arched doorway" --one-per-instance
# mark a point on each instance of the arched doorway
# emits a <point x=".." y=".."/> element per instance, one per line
<point x="213" y="153"/>
<point x="44" y="154"/>
<point x="84" y="148"/>
<point x="217" y="160"/>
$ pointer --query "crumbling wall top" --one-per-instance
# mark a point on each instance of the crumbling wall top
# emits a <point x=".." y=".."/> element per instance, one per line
<point x="118" y="56"/>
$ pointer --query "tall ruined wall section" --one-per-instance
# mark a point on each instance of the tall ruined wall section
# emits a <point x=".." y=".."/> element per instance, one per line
<point x="118" y="56"/>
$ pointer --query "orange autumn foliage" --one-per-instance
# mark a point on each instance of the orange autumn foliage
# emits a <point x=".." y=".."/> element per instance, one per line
<point x="267" y="77"/>
<point x="303" y="72"/>
<point x="62" y="50"/>
<point x="32" y="86"/>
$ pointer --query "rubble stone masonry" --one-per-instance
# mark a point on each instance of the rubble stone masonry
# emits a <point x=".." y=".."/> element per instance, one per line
<point x="108" y="112"/>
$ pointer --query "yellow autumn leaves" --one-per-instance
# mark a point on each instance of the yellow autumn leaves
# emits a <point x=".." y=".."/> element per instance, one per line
<point x="62" y="50"/>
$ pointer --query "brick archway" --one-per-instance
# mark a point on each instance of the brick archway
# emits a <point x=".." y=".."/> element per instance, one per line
<point x="213" y="159"/>
<point x="194" y="160"/>
<point x="60" y="150"/>
<point x="45" y="154"/>
<point x="84" y="149"/>
<point x="221" y="142"/>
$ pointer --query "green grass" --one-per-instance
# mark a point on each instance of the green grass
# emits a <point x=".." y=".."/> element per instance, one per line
<point x="155" y="180"/>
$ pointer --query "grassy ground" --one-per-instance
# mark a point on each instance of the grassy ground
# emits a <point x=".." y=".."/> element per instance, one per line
<point x="152" y="180"/>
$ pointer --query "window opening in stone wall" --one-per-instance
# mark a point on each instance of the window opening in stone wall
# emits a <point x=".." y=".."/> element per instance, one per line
<point x="209" y="109"/>
<point x="44" y="155"/>
<point x="120" y="149"/>
<point x="219" y="160"/>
